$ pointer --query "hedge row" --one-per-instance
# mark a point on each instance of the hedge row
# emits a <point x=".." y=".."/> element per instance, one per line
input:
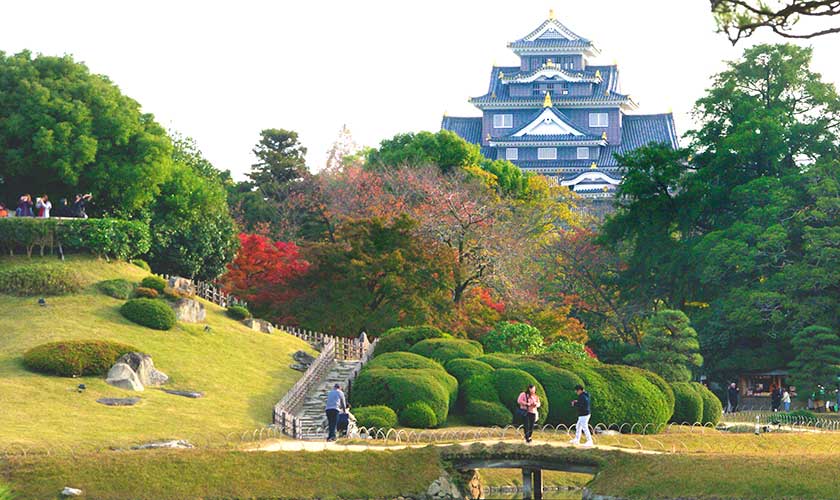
<point x="695" y="403"/>
<point x="39" y="279"/>
<point x="446" y="349"/>
<point x="117" y="238"/>
<point x="403" y="338"/>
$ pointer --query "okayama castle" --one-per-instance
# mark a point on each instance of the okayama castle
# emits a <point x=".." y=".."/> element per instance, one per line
<point x="560" y="117"/>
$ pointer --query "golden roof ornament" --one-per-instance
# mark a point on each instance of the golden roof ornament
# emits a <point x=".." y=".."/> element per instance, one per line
<point x="603" y="136"/>
<point x="598" y="74"/>
<point x="549" y="63"/>
<point x="551" y="14"/>
<point x="493" y="95"/>
<point x="594" y="165"/>
<point x="547" y="101"/>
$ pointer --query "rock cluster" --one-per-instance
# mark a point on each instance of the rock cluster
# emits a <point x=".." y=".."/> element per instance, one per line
<point x="134" y="371"/>
<point x="442" y="488"/>
<point x="302" y="361"/>
<point x="259" y="325"/>
<point x="189" y="311"/>
<point x="183" y="285"/>
<point x="173" y="444"/>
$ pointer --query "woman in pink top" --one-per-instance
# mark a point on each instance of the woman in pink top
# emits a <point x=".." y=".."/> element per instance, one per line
<point x="528" y="402"/>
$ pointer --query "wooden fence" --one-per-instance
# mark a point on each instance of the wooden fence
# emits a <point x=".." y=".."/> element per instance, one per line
<point x="211" y="293"/>
<point x="285" y="411"/>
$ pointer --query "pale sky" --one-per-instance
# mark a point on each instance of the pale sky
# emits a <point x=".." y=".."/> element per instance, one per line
<point x="222" y="71"/>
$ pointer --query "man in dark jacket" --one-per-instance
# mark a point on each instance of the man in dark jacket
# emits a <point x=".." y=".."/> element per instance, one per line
<point x="583" y="405"/>
<point x="732" y="398"/>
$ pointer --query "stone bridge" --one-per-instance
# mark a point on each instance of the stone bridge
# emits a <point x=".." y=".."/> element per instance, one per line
<point x="532" y="484"/>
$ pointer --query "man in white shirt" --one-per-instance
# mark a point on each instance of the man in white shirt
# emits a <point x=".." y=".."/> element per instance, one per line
<point x="43" y="207"/>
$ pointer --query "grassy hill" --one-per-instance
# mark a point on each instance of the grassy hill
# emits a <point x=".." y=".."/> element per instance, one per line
<point x="242" y="372"/>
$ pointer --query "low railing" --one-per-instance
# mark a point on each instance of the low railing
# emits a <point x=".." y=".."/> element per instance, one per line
<point x="285" y="410"/>
<point x="211" y="293"/>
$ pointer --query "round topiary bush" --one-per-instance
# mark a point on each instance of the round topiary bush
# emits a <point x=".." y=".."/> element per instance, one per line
<point x="403" y="338"/>
<point x="238" y="313"/>
<point x="445" y="349"/>
<point x="688" y="404"/>
<point x="418" y="415"/>
<point x="480" y="388"/>
<point x="142" y="264"/>
<point x="154" y="282"/>
<point x="633" y="399"/>
<point x="712" y="407"/>
<point x="379" y="416"/>
<point x="663" y="386"/>
<point x="487" y="414"/>
<point x="75" y="358"/>
<point x="559" y="385"/>
<point x="404" y="360"/>
<point x="396" y="389"/>
<point x="118" y="288"/>
<point x="464" y="369"/>
<point x="499" y="360"/>
<point x="42" y="279"/>
<point x="510" y="382"/>
<point x="149" y="293"/>
<point x="150" y="313"/>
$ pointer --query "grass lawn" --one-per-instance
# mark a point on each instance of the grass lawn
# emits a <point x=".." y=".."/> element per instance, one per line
<point x="242" y="372"/>
<point x="190" y="474"/>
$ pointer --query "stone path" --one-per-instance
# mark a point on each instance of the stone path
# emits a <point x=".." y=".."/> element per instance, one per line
<point x="313" y="419"/>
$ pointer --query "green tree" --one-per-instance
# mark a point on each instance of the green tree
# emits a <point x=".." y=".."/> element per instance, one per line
<point x="517" y="338"/>
<point x="669" y="348"/>
<point x="817" y="358"/>
<point x="281" y="159"/>
<point x="443" y="149"/>
<point x="65" y="131"/>
<point x="193" y="234"/>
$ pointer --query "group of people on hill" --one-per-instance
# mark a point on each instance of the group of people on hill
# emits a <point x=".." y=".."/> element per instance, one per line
<point x="42" y="207"/>
<point x="338" y="413"/>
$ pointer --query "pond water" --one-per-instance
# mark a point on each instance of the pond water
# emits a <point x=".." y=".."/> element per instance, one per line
<point x="547" y="495"/>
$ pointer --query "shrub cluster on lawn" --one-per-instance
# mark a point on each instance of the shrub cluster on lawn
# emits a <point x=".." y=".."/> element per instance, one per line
<point x="38" y="279"/>
<point x="445" y="349"/>
<point x="378" y="416"/>
<point x="154" y="282"/>
<point x="688" y="405"/>
<point x="403" y="338"/>
<point x="75" y="357"/>
<point x="398" y="379"/>
<point x="238" y="313"/>
<point x="150" y="313"/>
<point x="142" y="264"/>
<point x="117" y="288"/>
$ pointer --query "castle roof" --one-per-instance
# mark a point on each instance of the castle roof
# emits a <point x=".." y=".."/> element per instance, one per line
<point x="640" y="130"/>
<point x="552" y="36"/>
<point x="468" y="128"/>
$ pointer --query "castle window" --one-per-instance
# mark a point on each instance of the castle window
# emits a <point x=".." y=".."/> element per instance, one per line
<point x="546" y="153"/>
<point x="599" y="119"/>
<point x="582" y="153"/>
<point x="511" y="154"/>
<point x="502" y="121"/>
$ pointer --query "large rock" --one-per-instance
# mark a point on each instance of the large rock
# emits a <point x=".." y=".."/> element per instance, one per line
<point x="259" y="325"/>
<point x="189" y="311"/>
<point x="71" y="492"/>
<point x="183" y="285"/>
<point x="144" y="367"/>
<point x="302" y="361"/>
<point x="121" y="375"/>
<point x="186" y="394"/>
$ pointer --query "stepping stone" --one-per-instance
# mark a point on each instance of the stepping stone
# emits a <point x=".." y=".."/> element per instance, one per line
<point x="186" y="394"/>
<point x="118" y="401"/>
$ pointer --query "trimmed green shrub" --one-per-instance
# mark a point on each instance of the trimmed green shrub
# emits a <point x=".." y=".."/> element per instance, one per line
<point x="154" y="282"/>
<point x="378" y="416"/>
<point x="660" y="383"/>
<point x="486" y="414"/>
<point x="41" y="279"/>
<point x="510" y="382"/>
<point x="398" y="388"/>
<point x="688" y="404"/>
<point x="238" y="313"/>
<point x="175" y="294"/>
<point x="149" y="293"/>
<point x="517" y="338"/>
<point x="71" y="358"/>
<point x="117" y="238"/>
<point x="464" y="369"/>
<point x="403" y="338"/>
<point x="480" y="388"/>
<point x="559" y="385"/>
<point x="118" y="288"/>
<point x="418" y="415"/>
<point x="712" y="407"/>
<point x="404" y="360"/>
<point x="632" y="398"/>
<point x="443" y="350"/>
<point x="566" y="360"/>
<point x="150" y="313"/>
<point x="142" y="264"/>
<point x="499" y="360"/>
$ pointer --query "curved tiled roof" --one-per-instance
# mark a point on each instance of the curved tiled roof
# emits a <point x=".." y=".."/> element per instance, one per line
<point x="605" y="90"/>
<point x="640" y="130"/>
<point x="469" y="128"/>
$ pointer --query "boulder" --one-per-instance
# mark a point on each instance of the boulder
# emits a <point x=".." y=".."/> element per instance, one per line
<point x="189" y="311"/>
<point x="259" y="325"/>
<point x="144" y="367"/>
<point x="118" y="401"/>
<point x="121" y="375"/>
<point x="302" y="361"/>
<point x="71" y="492"/>
<point x="182" y="284"/>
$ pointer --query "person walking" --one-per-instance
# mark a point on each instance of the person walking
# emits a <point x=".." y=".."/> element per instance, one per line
<point x="335" y="402"/>
<point x="786" y="400"/>
<point x="732" y="398"/>
<point x="24" y="208"/>
<point x="43" y="206"/>
<point x="583" y="405"/>
<point x="528" y="402"/>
